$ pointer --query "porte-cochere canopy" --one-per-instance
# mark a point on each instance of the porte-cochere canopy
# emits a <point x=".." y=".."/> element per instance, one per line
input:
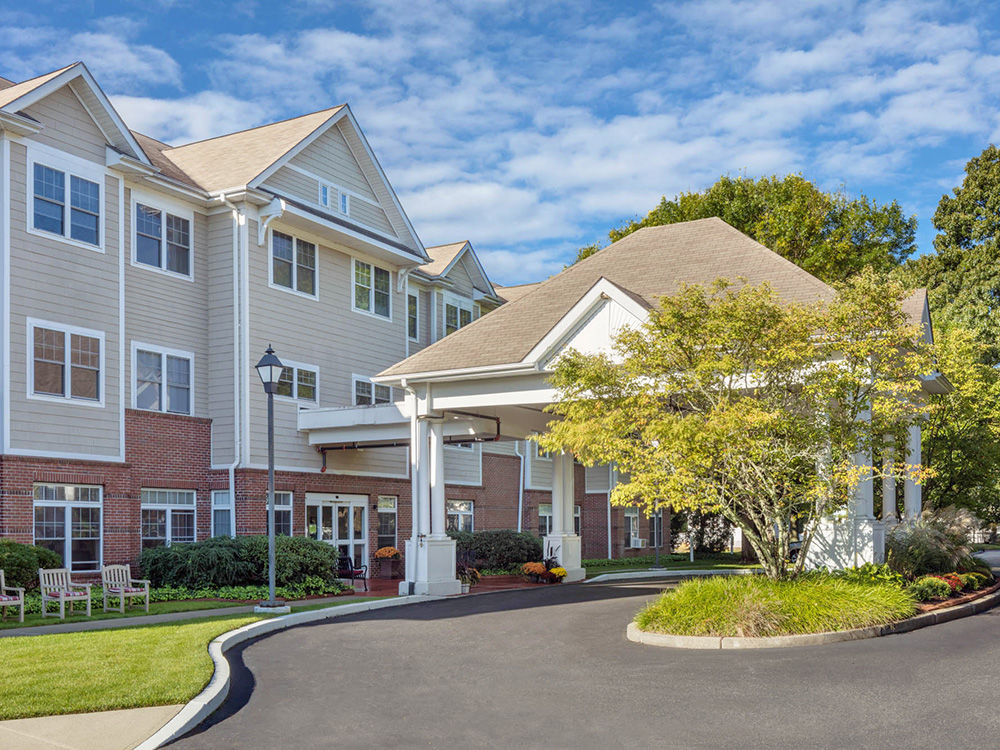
<point x="489" y="381"/>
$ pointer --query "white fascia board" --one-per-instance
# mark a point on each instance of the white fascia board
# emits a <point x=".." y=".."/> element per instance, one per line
<point x="115" y="159"/>
<point x="600" y="291"/>
<point x="79" y="70"/>
<point x="297" y="148"/>
<point x="11" y="122"/>
<point x="311" y="419"/>
<point x="405" y="259"/>
<point x="462" y="373"/>
<point x="381" y="173"/>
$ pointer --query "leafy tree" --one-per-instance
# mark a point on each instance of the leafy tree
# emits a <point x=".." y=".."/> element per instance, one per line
<point x="728" y="398"/>
<point x="961" y="439"/>
<point x="831" y="235"/>
<point x="963" y="277"/>
<point x="585" y="252"/>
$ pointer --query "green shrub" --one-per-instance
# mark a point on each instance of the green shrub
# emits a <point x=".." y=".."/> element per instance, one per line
<point x="240" y="561"/>
<point x="871" y="574"/>
<point x="928" y="545"/>
<point x="20" y="563"/>
<point x="972" y="581"/>
<point x="929" y="588"/>
<point x="497" y="550"/>
<point x="755" y="606"/>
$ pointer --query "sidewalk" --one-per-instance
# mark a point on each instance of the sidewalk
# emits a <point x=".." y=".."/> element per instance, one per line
<point x="107" y="730"/>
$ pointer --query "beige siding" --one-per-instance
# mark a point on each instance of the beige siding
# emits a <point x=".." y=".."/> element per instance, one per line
<point x="63" y="283"/>
<point x="460" y="278"/>
<point x="295" y="185"/>
<point x="168" y="311"/>
<point x="502" y="447"/>
<point x="376" y="461"/>
<point x="370" y="215"/>
<point x="330" y="157"/>
<point x="423" y="319"/>
<point x="221" y="354"/>
<point x="324" y="332"/>
<point x="68" y="126"/>
<point x="463" y="466"/>
<point x="539" y="472"/>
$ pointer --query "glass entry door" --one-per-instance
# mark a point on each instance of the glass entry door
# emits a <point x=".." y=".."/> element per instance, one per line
<point x="341" y="520"/>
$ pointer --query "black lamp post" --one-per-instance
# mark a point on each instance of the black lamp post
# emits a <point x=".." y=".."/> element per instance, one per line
<point x="270" y="368"/>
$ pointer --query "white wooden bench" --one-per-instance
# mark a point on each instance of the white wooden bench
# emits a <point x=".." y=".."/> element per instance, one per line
<point x="10" y="596"/>
<point x="117" y="581"/>
<point x="56" y="586"/>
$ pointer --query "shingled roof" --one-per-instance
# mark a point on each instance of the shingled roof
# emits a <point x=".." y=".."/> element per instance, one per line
<point x="649" y="263"/>
<point x="512" y="293"/>
<point x="441" y="257"/>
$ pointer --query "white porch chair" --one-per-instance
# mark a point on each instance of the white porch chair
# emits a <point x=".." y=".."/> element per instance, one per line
<point x="10" y="597"/>
<point x="56" y="586"/>
<point x="117" y="581"/>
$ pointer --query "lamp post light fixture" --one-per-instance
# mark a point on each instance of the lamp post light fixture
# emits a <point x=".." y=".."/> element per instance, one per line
<point x="270" y="368"/>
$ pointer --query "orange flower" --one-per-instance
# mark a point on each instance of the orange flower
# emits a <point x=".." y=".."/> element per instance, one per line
<point x="387" y="553"/>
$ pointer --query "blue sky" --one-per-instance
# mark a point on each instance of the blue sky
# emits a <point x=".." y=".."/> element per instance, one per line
<point x="531" y="128"/>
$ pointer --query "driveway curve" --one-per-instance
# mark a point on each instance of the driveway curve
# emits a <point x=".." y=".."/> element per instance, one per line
<point x="550" y="668"/>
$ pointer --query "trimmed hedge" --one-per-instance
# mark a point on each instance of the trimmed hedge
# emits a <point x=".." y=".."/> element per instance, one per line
<point x="501" y="549"/>
<point x="20" y="563"/>
<point x="240" y="561"/>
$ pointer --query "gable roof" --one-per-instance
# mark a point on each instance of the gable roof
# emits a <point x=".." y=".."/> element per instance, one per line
<point x="649" y="263"/>
<point x="511" y="293"/>
<point x="92" y="97"/>
<point x="154" y="151"/>
<point x="234" y="160"/>
<point x="442" y="257"/>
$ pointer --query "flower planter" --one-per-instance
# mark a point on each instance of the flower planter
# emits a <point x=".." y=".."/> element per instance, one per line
<point x="465" y="588"/>
<point x="389" y="569"/>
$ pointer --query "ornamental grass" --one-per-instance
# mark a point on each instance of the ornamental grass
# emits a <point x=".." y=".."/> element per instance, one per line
<point x="755" y="606"/>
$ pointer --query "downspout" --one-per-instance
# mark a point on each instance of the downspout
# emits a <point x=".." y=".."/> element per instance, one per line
<point x="238" y="218"/>
<point x="520" y="485"/>
<point x="411" y="561"/>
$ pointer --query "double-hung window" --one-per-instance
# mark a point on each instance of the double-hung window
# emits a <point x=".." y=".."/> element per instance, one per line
<point x="68" y="522"/>
<point x="163" y="379"/>
<point x="299" y="382"/>
<point x="167" y="516"/>
<point x="162" y="239"/>
<point x="293" y="263"/>
<point x="372" y="290"/>
<point x="283" y="513"/>
<point x="457" y="313"/>
<point x="367" y="393"/>
<point x="386" y="521"/>
<point x="67" y="204"/>
<point x="223" y="513"/>
<point x="65" y="362"/>
<point x="459" y="515"/>
<point x="412" y="316"/>
<point x="545" y="519"/>
<point x="631" y="527"/>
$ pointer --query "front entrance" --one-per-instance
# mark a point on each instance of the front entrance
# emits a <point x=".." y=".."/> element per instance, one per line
<point x="341" y="520"/>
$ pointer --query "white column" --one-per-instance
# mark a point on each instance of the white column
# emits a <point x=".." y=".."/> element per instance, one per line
<point x="436" y="461"/>
<point x="912" y="493"/>
<point x="569" y="493"/>
<point x="558" y="494"/>
<point x="888" y="487"/>
<point x="423" y="499"/>
<point x="864" y="493"/>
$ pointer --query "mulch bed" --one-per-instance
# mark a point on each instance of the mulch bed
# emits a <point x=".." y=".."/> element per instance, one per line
<point x="955" y="600"/>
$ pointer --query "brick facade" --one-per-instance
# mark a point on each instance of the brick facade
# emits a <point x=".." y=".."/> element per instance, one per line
<point x="166" y="451"/>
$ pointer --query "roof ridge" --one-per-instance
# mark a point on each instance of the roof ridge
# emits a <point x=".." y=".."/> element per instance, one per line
<point x="258" y="127"/>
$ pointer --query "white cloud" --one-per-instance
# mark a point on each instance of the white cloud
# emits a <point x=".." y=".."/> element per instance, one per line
<point x="193" y="118"/>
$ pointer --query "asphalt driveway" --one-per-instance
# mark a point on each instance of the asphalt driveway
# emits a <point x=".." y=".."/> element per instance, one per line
<point x="550" y="668"/>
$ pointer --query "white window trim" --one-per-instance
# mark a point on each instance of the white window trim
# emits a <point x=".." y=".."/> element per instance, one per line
<point x="69" y="165"/>
<point x="232" y="512"/>
<point x="355" y="378"/>
<point x="394" y="511"/>
<point x="295" y="274"/>
<point x="471" y="513"/>
<point x="167" y="207"/>
<point x="461" y="303"/>
<point x="416" y="295"/>
<point x="296" y="366"/>
<point x="336" y="195"/>
<point x="168" y="507"/>
<point x="68" y="505"/>
<point x="285" y="507"/>
<point x="577" y="514"/>
<point x="371" y="294"/>
<point x="30" y="325"/>
<point x="538" y="453"/>
<point x="164" y="352"/>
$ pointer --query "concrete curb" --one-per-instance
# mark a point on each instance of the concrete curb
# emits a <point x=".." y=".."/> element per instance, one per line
<point x="633" y="575"/>
<point x="663" y="640"/>
<point x="202" y="705"/>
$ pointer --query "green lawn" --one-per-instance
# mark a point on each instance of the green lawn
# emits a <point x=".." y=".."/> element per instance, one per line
<point x="720" y="561"/>
<point x="985" y="547"/>
<point x="755" y="606"/>
<point x="80" y="612"/>
<point x="127" y="667"/>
